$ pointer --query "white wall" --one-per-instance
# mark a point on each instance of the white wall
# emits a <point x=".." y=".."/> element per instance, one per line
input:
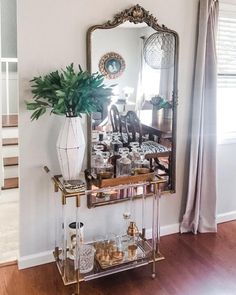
<point x="226" y="164"/>
<point x="8" y="28"/>
<point x="51" y="34"/>
<point x="13" y="92"/>
<point x="1" y="160"/>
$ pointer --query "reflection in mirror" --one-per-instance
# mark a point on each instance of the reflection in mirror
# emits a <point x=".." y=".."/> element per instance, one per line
<point x="133" y="132"/>
<point x="139" y="84"/>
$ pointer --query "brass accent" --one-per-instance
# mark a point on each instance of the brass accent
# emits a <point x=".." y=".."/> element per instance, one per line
<point x="77" y="292"/>
<point x="126" y="180"/>
<point x="139" y="171"/>
<point x="137" y="14"/>
<point x="55" y="188"/>
<point x="132" y="229"/>
<point x="158" y="257"/>
<point x="104" y="175"/>
<point x="58" y="185"/>
<point x="132" y="251"/>
<point x="70" y="278"/>
<point x="149" y="192"/>
<point x="118" y="255"/>
<point x="78" y="201"/>
<point x="110" y="202"/>
<point x="63" y="199"/>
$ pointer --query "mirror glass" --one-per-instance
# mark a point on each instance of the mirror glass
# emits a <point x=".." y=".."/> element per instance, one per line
<point x="140" y="63"/>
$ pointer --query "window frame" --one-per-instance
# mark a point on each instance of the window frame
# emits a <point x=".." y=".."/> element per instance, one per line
<point x="228" y="9"/>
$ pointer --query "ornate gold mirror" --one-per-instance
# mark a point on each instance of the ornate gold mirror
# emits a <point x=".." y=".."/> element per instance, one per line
<point x="139" y="58"/>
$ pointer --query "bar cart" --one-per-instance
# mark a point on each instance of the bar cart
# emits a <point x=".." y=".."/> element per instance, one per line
<point x="78" y="261"/>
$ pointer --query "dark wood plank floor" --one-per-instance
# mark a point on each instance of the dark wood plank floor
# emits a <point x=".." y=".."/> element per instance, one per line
<point x="195" y="265"/>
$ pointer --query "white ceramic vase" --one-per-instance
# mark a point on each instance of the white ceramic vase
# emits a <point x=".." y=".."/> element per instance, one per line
<point x="71" y="148"/>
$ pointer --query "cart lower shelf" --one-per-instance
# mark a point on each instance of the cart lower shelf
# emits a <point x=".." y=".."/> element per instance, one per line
<point x="71" y="276"/>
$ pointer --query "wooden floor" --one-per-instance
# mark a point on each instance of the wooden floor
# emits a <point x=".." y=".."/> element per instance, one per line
<point x="195" y="265"/>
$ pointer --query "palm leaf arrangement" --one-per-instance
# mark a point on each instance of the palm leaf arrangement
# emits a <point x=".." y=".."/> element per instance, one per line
<point x="68" y="92"/>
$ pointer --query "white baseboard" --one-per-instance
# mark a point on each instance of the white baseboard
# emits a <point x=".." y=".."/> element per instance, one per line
<point x="164" y="230"/>
<point x="224" y="217"/>
<point x="169" y="229"/>
<point x="35" y="259"/>
<point x="47" y="257"/>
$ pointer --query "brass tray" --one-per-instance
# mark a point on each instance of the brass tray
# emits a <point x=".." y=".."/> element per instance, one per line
<point x="132" y="253"/>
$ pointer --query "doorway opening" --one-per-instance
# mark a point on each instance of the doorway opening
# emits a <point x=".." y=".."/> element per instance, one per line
<point x="9" y="148"/>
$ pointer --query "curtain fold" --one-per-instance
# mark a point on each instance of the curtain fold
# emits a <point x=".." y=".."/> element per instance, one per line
<point x="200" y="212"/>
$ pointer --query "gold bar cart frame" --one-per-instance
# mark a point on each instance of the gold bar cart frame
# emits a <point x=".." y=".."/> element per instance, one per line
<point x="115" y="184"/>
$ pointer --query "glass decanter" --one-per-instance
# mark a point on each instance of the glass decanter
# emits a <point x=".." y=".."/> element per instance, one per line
<point x="116" y="140"/>
<point x="124" y="164"/>
<point x="105" y="170"/>
<point x="134" y="154"/>
<point x="141" y="165"/>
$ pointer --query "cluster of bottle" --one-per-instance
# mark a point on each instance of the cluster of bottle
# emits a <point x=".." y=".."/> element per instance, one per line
<point x="111" y="159"/>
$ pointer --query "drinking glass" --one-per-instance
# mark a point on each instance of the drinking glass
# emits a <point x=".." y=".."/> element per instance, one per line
<point x="124" y="165"/>
<point x="141" y="163"/>
<point x="134" y="155"/>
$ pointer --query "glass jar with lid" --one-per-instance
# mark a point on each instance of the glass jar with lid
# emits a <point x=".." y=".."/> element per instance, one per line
<point x="124" y="164"/>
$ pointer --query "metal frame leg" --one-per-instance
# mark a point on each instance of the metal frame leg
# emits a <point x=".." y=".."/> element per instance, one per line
<point x="158" y="220"/>
<point x="154" y="233"/>
<point x="64" y="237"/>
<point x="156" y="227"/>
<point x="77" y="246"/>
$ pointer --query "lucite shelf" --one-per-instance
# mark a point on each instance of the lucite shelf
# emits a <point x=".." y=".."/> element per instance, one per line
<point x="69" y="276"/>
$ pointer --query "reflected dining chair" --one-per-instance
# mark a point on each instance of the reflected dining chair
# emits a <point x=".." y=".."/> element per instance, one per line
<point x="152" y="149"/>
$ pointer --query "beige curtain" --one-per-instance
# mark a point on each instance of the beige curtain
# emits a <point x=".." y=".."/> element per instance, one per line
<point x="200" y="212"/>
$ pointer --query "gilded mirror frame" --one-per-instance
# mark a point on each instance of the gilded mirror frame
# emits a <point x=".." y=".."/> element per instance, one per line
<point x="137" y="14"/>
